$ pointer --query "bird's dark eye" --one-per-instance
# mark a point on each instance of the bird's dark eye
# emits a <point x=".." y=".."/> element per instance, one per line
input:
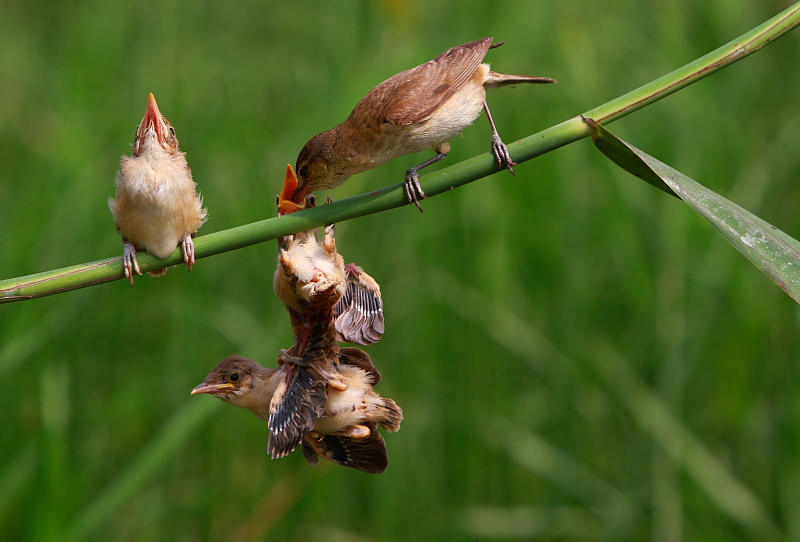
<point x="303" y="171"/>
<point x="234" y="377"/>
<point x="172" y="131"/>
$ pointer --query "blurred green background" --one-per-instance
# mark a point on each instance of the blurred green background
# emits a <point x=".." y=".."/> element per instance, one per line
<point x="578" y="356"/>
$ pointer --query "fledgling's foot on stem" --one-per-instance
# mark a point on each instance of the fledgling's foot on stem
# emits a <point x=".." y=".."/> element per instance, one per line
<point x="129" y="262"/>
<point x="188" y="251"/>
<point x="500" y="152"/>
<point x="413" y="189"/>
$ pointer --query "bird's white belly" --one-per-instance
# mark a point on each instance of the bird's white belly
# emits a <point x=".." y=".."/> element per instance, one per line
<point x="157" y="204"/>
<point x="163" y="226"/>
<point x="453" y="116"/>
<point x="458" y="112"/>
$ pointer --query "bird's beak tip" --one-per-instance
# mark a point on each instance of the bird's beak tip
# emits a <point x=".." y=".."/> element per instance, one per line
<point x="152" y="107"/>
<point x="210" y="388"/>
<point x="152" y="117"/>
<point x="202" y="388"/>
<point x="300" y="194"/>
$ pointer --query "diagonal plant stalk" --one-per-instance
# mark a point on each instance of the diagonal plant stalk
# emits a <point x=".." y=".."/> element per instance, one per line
<point x="110" y="269"/>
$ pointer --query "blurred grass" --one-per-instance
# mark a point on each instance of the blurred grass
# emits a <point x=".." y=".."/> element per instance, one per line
<point x="597" y="267"/>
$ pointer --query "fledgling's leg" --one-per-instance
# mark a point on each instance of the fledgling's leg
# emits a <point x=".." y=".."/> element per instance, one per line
<point x="328" y="242"/>
<point x="188" y="251"/>
<point x="286" y="262"/>
<point x="129" y="262"/>
<point x="336" y="380"/>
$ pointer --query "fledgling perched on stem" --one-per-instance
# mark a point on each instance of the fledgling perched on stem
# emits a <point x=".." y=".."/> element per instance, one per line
<point x="156" y="206"/>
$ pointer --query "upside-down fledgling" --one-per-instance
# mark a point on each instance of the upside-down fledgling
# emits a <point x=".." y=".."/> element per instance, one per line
<point x="156" y="206"/>
<point x="345" y="431"/>
<point x="311" y="278"/>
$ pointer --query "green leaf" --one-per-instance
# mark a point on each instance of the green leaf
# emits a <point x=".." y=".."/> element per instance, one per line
<point x="771" y="250"/>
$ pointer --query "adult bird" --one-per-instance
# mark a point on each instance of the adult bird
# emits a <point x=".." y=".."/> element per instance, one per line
<point x="418" y="109"/>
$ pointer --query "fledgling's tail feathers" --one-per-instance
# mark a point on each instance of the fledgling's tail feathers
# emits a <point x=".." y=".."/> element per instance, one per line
<point x="367" y="455"/>
<point x="392" y="415"/>
<point x="496" y="80"/>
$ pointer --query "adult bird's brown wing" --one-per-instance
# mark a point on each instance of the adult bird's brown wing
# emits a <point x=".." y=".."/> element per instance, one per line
<point x="415" y="95"/>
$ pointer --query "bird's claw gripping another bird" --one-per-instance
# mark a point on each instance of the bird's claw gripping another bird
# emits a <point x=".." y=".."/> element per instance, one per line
<point x="413" y="189"/>
<point x="334" y="379"/>
<point x="129" y="262"/>
<point x="188" y="251"/>
<point x="500" y="152"/>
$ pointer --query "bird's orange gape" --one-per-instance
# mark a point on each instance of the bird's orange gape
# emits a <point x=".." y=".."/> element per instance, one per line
<point x="290" y="200"/>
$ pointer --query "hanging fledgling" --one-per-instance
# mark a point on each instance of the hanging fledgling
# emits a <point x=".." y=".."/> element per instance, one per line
<point x="312" y="278"/>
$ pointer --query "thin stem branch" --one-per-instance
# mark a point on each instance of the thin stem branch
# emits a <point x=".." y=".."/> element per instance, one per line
<point x="100" y="271"/>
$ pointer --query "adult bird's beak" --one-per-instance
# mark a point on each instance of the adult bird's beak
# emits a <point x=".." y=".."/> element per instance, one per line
<point x="301" y="192"/>
<point x="210" y="388"/>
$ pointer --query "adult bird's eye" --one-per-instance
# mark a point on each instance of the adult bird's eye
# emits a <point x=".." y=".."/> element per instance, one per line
<point x="303" y="171"/>
<point x="234" y="377"/>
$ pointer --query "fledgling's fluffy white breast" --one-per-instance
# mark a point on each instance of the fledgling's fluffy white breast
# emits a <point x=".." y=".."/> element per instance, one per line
<point x="307" y="273"/>
<point x="357" y="404"/>
<point x="157" y="205"/>
<point x="312" y="263"/>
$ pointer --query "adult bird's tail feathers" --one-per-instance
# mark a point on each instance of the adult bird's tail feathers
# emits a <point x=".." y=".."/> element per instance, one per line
<point x="497" y="80"/>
